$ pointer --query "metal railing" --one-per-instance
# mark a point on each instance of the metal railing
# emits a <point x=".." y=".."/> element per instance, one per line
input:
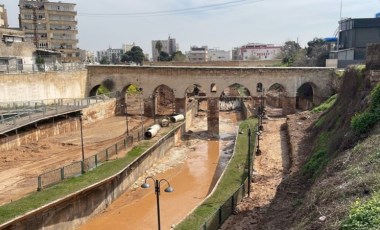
<point x="18" y="114"/>
<point x="28" y="68"/>
<point x="75" y="169"/>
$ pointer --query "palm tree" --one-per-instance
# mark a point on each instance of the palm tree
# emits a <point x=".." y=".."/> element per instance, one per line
<point x="159" y="49"/>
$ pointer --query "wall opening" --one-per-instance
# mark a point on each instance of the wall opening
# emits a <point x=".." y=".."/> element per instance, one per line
<point x="305" y="97"/>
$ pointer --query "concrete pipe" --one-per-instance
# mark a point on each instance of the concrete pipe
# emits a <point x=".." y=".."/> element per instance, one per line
<point x="152" y="131"/>
<point x="177" y="118"/>
<point x="164" y="122"/>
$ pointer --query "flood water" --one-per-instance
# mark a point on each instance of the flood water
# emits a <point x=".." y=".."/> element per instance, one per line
<point x="192" y="169"/>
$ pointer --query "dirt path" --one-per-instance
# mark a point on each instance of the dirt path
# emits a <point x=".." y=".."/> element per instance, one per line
<point x="20" y="167"/>
<point x="269" y="170"/>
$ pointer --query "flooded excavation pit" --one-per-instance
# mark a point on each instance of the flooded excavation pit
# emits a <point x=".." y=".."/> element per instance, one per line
<point x="192" y="169"/>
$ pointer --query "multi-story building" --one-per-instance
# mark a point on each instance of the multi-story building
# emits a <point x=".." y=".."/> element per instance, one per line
<point x="219" y="55"/>
<point x="198" y="54"/>
<point x="169" y="46"/>
<point x="3" y="17"/>
<point x="110" y="55"/>
<point x="127" y="47"/>
<point x="51" y="25"/>
<point x="258" y="51"/>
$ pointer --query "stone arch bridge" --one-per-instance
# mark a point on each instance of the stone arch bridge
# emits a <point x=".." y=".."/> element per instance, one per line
<point x="213" y="80"/>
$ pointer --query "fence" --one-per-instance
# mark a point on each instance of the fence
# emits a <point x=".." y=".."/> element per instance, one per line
<point x="217" y="219"/>
<point x="221" y="215"/>
<point x="29" y="68"/>
<point x="16" y="114"/>
<point x="77" y="168"/>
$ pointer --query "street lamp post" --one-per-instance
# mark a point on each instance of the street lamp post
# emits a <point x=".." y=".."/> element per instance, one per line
<point x="249" y="162"/>
<point x="81" y="138"/>
<point x="157" y="184"/>
<point x="258" y="151"/>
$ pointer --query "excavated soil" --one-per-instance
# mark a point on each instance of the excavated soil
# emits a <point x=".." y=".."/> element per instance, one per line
<point x="277" y="185"/>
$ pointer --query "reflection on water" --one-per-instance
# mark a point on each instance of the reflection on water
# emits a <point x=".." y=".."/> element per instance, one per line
<point x="192" y="181"/>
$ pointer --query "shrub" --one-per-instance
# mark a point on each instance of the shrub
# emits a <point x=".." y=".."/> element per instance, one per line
<point x="364" y="215"/>
<point x="362" y="122"/>
<point x="375" y="98"/>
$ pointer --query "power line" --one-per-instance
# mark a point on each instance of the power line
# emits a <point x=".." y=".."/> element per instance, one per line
<point x="177" y="11"/>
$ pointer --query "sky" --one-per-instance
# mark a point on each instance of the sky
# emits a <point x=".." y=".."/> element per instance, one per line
<point x="221" y="24"/>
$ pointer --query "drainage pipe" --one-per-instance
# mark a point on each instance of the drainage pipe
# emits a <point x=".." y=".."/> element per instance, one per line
<point x="152" y="131"/>
<point x="177" y="118"/>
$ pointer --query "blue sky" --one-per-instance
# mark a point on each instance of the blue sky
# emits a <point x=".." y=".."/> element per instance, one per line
<point x="263" y="21"/>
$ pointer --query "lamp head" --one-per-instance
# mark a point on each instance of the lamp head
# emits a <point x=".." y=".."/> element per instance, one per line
<point x="169" y="189"/>
<point x="145" y="185"/>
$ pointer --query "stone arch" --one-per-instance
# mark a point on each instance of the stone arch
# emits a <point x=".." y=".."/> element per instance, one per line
<point x="131" y="99"/>
<point x="163" y="100"/>
<point x="275" y="95"/>
<point x="94" y="91"/>
<point x="233" y="96"/>
<point x="305" y="96"/>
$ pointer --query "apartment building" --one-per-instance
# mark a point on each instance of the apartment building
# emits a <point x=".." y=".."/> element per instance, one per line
<point x="219" y="55"/>
<point x="259" y="51"/>
<point x="3" y="17"/>
<point x="169" y="46"/>
<point x="198" y="54"/>
<point x="51" y="25"/>
<point x="110" y="55"/>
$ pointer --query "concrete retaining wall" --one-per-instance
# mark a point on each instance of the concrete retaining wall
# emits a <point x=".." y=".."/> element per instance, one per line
<point x="58" y="126"/>
<point x="72" y="211"/>
<point x="42" y="86"/>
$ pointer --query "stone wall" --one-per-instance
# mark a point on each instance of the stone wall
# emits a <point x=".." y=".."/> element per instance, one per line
<point x="257" y="63"/>
<point x="42" y="86"/>
<point x="72" y="211"/>
<point x="373" y="57"/>
<point x="32" y="134"/>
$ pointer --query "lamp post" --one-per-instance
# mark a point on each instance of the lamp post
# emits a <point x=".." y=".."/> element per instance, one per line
<point x="141" y="112"/>
<point x="258" y="151"/>
<point x="126" y="117"/>
<point x="81" y="138"/>
<point x="157" y="184"/>
<point x="249" y="162"/>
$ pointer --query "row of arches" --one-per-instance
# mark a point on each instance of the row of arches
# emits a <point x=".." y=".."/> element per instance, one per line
<point x="164" y="96"/>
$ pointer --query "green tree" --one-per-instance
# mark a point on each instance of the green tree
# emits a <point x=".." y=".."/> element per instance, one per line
<point x="104" y="61"/>
<point x="178" y="56"/>
<point x="164" y="56"/>
<point x="289" y="52"/>
<point x="158" y="48"/>
<point x="135" y="55"/>
<point x="317" y="52"/>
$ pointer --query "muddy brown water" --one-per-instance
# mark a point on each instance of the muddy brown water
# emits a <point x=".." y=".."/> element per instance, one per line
<point x="192" y="170"/>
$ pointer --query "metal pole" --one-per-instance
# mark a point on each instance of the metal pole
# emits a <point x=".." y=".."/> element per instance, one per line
<point x="81" y="137"/>
<point x="249" y="162"/>
<point x="141" y="114"/>
<point x="157" y="190"/>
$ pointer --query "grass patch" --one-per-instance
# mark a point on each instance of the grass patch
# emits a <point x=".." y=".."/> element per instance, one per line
<point x="319" y="158"/>
<point x="38" y="199"/>
<point x="233" y="178"/>
<point x="325" y="105"/>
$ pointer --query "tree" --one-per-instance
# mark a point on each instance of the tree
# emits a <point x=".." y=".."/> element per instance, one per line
<point x="164" y="56"/>
<point x="178" y="56"/>
<point x="104" y="61"/>
<point x="289" y="51"/>
<point x="135" y="55"/>
<point x="158" y="48"/>
<point x="317" y="52"/>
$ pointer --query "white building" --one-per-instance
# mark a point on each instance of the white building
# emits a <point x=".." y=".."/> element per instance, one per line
<point x="198" y="54"/>
<point x="127" y="47"/>
<point x="258" y="51"/>
<point x="3" y="17"/>
<point x="219" y="55"/>
<point x="111" y="55"/>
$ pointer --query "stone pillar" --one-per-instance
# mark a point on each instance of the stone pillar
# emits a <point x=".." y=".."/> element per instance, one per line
<point x="213" y="116"/>
<point x="149" y="107"/>
<point x="289" y="105"/>
<point x="180" y="106"/>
